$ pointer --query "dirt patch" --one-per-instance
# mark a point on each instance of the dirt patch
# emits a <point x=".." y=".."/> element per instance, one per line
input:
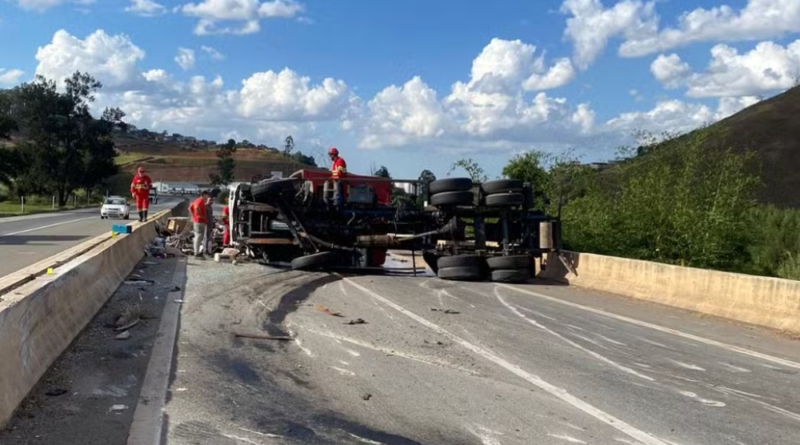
<point x="89" y="395"/>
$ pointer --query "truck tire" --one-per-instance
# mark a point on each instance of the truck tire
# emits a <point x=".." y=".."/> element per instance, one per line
<point x="501" y="186"/>
<point x="509" y="262"/>
<point x="271" y="188"/>
<point x="452" y="198"/>
<point x="446" y="262"/>
<point x="461" y="273"/>
<point x="313" y="261"/>
<point x="505" y="200"/>
<point x="511" y="275"/>
<point x="450" y="185"/>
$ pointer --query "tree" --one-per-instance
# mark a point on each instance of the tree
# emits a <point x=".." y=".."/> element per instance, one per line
<point x="382" y="172"/>
<point x="288" y="145"/>
<point x="226" y="165"/>
<point x="300" y="158"/>
<point x="66" y="148"/>
<point x="425" y="179"/>
<point x="473" y="169"/>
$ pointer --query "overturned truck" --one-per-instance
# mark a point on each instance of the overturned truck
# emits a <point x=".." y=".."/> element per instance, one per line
<point x="465" y="230"/>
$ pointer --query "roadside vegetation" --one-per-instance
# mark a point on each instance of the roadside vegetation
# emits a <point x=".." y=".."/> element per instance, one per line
<point x="685" y="200"/>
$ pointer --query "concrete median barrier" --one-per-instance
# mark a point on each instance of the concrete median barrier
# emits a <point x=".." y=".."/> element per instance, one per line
<point x="41" y="316"/>
<point x="764" y="301"/>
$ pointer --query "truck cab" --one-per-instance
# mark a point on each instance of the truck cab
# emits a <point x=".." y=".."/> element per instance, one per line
<point x="153" y="196"/>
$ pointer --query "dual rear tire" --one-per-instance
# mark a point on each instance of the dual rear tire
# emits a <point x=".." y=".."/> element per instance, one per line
<point x="505" y="269"/>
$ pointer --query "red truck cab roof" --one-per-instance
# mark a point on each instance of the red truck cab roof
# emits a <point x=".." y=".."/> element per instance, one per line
<point x="382" y="187"/>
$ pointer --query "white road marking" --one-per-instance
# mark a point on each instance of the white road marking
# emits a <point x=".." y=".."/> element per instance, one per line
<point x="365" y="440"/>
<point x="487" y="436"/>
<point x="343" y="371"/>
<point x="567" y="438"/>
<point x="539" y="314"/>
<point x="556" y="334"/>
<point x="560" y="393"/>
<point x="656" y="327"/>
<point x="687" y="365"/>
<point x="610" y="340"/>
<point x="734" y="368"/>
<point x="3" y="235"/>
<point x="706" y="402"/>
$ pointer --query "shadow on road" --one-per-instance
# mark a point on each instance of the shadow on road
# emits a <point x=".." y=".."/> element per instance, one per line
<point x="39" y="240"/>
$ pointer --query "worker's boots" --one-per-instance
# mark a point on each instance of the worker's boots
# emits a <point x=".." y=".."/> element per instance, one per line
<point x="144" y="217"/>
<point x="141" y="216"/>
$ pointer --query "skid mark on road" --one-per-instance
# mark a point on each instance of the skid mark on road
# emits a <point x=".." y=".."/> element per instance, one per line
<point x="537" y="313"/>
<point x="560" y="393"/>
<point x="391" y="352"/>
<point x="566" y="438"/>
<point x="572" y="343"/>
<point x="656" y="327"/>
<point x="734" y="368"/>
<point x="706" y="402"/>
<point x="687" y="365"/>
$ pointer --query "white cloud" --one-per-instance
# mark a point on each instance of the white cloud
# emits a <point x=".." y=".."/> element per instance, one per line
<point x="245" y="14"/>
<point x="266" y="107"/>
<point x="146" y="8"/>
<point x="185" y="58"/>
<point x="10" y="77"/>
<point x="670" y="70"/>
<point x="212" y="52"/>
<point x="113" y="59"/>
<point x="759" y="19"/>
<point x="592" y="25"/>
<point x="43" y="5"/>
<point x="677" y="116"/>
<point x="768" y="67"/>
<point x="287" y="96"/>
<point x="492" y="104"/>
<point x="399" y="116"/>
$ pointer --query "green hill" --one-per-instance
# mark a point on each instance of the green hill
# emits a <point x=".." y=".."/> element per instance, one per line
<point x="771" y="130"/>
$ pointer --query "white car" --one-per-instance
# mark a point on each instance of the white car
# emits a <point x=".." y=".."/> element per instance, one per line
<point x="115" y="207"/>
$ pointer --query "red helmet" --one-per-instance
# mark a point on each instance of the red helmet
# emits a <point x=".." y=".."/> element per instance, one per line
<point x="333" y="151"/>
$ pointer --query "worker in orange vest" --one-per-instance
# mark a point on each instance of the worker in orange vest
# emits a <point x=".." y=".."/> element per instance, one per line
<point x="140" y="190"/>
<point x="226" y="234"/>
<point x="338" y="171"/>
<point x="200" y="220"/>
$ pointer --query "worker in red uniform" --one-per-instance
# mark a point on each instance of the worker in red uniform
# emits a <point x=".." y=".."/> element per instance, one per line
<point x="338" y="166"/>
<point x="140" y="190"/>
<point x="226" y="234"/>
<point x="200" y="219"/>
<point x="338" y="171"/>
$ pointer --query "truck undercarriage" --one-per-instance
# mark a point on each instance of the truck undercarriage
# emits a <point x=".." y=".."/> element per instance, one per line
<point x="465" y="230"/>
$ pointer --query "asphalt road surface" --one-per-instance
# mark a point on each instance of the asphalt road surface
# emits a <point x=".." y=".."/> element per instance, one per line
<point x="26" y="240"/>
<point x="443" y="363"/>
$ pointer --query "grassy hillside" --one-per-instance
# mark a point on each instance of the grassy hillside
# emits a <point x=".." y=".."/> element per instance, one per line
<point x="193" y="162"/>
<point x="771" y="130"/>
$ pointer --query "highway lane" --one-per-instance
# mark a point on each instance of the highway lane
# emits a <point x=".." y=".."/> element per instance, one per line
<point x="28" y="239"/>
<point x="507" y="365"/>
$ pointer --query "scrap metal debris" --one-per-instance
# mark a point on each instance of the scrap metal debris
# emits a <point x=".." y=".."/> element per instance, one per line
<point x="356" y="321"/>
<point x="124" y="336"/>
<point x="117" y="408"/>
<point x="446" y="311"/>
<point x="260" y="336"/>
<point x="366" y="396"/>
<point x="140" y="282"/>
<point x="56" y="392"/>
<point x="325" y="310"/>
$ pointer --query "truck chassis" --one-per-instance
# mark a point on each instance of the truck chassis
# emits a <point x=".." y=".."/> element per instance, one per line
<point x="465" y="230"/>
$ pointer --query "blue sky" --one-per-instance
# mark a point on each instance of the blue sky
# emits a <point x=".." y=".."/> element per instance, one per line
<point x="414" y="84"/>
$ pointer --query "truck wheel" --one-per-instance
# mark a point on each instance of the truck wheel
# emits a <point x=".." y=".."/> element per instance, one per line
<point x="511" y="275"/>
<point x="452" y="198"/>
<point x="450" y="185"/>
<point x="509" y="262"/>
<point x="505" y="200"/>
<point x="501" y="186"/>
<point x="461" y="273"/>
<point x="263" y="189"/>
<point x="313" y="261"/>
<point x="446" y="262"/>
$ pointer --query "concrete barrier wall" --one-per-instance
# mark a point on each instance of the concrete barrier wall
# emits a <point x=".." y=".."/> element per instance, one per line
<point x="770" y="302"/>
<point x="40" y="319"/>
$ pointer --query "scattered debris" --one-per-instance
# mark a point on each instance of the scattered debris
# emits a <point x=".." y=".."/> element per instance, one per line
<point x="117" y="408"/>
<point x="260" y="336"/>
<point x="446" y="311"/>
<point x="140" y="282"/>
<point x="176" y="289"/>
<point x="124" y="336"/>
<point x="56" y="392"/>
<point x="356" y="321"/>
<point x="151" y="263"/>
<point x="179" y="301"/>
<point x="129" y="325"/>
<point x="325" y="310"/>
<point x="366" y="396"/>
